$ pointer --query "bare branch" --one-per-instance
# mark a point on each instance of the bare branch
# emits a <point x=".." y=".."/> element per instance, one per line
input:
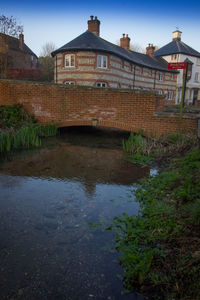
<point x="47" y="49"/>
<point x="9" y="26"/>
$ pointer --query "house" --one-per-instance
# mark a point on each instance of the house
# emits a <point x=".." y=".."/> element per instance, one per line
<point x="177" y="51"/>
<point x="92" y="61"/>
<point x="17" y="60"/>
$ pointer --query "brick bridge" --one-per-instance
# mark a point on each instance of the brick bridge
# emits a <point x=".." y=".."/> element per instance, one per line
<point x="81" y="106"/>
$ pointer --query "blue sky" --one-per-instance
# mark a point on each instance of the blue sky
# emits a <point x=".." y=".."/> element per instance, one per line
<point x="144" y="21"/>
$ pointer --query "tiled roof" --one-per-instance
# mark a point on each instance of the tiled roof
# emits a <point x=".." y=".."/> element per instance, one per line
<point x="90" y="42"/>
<point x="13" y="44"/>
<point x="175" y="47"/>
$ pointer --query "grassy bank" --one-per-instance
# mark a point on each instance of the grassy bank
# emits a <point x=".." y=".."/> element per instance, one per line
<point x="160" y="247"/>
<point x="19" y="129"/>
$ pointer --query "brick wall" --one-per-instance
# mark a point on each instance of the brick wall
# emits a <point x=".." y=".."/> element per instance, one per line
<point x="76" y="105"/>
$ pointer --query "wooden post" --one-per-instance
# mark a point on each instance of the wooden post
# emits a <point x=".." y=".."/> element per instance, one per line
<point x="185" y="71"/>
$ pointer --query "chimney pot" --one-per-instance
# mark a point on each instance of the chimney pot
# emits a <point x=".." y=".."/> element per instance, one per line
<point x="94" y="25"/>
<point x="125" y="42"/>
<point x="21" y="41"/>
<point x="150" y="50"/>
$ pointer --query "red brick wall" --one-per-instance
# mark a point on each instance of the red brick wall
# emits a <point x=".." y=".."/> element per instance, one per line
<point x="76" y="105"/>
<point x="24" y="74"/>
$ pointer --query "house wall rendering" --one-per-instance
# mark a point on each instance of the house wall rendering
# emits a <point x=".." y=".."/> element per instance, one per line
<point x="103" y="68"/>
<point x="177" y="51"/>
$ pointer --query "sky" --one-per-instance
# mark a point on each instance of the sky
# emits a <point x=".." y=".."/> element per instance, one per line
<point x="144" y="21"/>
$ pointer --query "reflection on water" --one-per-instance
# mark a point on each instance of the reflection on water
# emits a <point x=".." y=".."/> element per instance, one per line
<point x="47" y="200"/>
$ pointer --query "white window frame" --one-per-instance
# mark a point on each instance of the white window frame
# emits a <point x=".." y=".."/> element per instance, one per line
<point x="102" y="61"/>
<point x="69" y="82"/>
<point x="159" y="92"/>
<point x="160" y="76"/>
<point x="101" y="84"/>
<point x="196" y="78"/>
<point x="170" y="95"/>
<point x="71" y="61"/>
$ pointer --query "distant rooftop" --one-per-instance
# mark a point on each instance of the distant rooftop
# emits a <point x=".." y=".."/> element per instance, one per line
<point x="176" y="47"/>
<point x="89" y="41"/>
<point x="14" y="44"/>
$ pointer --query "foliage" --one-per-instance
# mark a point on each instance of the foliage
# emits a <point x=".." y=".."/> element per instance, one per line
<point x="144" y="149"/>
<point x="47" y="62"/>
<point x="47" y="49"/>
<point x="160" y="247"/>
<point x="136" y="148"/>
<point x="26" y="137"/>
<point x="19" y="129"/>
<point x="14" y="116"/>
<point x="9" y="26"/>
<point x="47" y="65"/>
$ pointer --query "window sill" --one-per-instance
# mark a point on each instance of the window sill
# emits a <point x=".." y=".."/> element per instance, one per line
<point x="69" y="67"/>
<point x="101" y="68"/>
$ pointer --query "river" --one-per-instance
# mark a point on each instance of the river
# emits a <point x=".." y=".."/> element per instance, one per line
<point x="49" y="199"/>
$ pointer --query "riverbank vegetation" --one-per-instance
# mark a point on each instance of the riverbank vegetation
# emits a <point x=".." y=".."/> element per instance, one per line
<point x="159" y="248"/>
<point x="144" y="150"/>
<point x="19" y="129"/>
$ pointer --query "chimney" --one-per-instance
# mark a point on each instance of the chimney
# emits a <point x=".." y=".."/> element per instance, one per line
<point x="21" y="41"/>
<point x="94" y="25"/>
<point x="150" y="50"/>
<point x="177" y="35"/>
<point x="125" y="42"/>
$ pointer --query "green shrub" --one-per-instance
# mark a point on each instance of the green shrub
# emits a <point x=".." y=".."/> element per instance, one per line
<point x="160" y="247"/>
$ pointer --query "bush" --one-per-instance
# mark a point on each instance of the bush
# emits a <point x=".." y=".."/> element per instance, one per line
<point x="160" y="247"/>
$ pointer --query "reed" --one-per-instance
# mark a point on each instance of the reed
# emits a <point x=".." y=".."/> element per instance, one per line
<point x="26" y="137"/>
<point x="143" y="148"/>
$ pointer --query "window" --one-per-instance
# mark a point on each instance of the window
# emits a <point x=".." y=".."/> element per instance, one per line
<point x="69" y="60"/>
<point x="159" y="92"/>
<point x="174" y="56"/>
<point x="170" y="95"/>
<point x="198" y="61"/>
<point x="102" y="61"/>
<point x="196" y="78"/>
<point x="69" y="82"/>
<point x="161" y="76"/>
<point x="172" y="76"/>
<point x="101" y="84"/>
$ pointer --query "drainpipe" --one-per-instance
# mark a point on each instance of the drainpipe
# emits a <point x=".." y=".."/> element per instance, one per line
<point x="154" y="83"/>
<point x="56" y="70"/>
<point x="134" y="77"/>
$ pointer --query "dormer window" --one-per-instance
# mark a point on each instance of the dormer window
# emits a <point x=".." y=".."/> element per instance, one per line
<point x="69" y="60"/>
<point x="102" y="61"/>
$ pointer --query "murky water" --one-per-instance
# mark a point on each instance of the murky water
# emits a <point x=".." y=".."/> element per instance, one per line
<point x="48" y="198"/>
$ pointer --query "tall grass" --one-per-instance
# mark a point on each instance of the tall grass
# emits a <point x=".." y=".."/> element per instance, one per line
<point x="142" y="149"/>
<point x="26" y="137"/>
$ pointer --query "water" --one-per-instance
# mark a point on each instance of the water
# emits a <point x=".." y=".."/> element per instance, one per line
<point x="48" y="199"/>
